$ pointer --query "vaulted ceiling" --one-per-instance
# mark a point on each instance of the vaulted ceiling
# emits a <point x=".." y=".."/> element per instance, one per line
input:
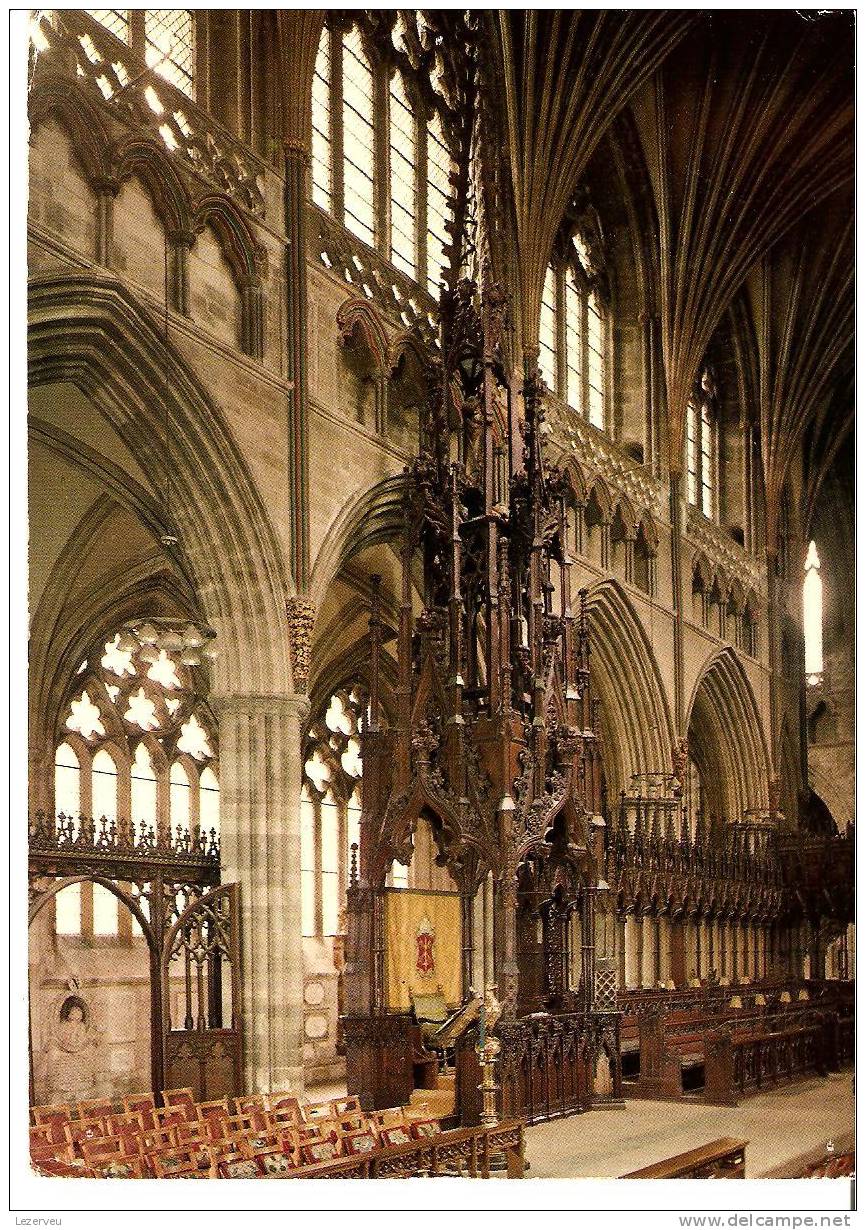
<point x="742" y="127"/>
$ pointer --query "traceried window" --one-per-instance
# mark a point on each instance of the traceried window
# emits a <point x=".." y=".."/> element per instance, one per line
<point x="701" y="432"/>
<point x="136" y="749"/>
<point x="813" y="617"/>
<point x="573" y="356"/>
<point x="330" y="810"/>
<point x="168" y="45"/>
<point x="115" y="20"/>
<point x="573" y="343"/>
<point x="401" y="138"/>
<point x="164" y="38"/>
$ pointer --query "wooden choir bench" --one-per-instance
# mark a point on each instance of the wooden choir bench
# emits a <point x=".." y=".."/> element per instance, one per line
<point x="746" y="1062"/>
<point x="727" y="1060"/>
<point x="720" y="1159"/>
<point x="463" y="1151"/>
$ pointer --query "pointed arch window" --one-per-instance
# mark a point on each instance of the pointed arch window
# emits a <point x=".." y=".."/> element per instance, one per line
<point x="322" y="150"/>
<point x="381" y="157"/>
<point x="359" y="148"/>
<point x="701" y="453"/>
<point x="813" y="616"/>
<point x="67" y="781"/>
<point x="547" y="340"/>
<point x="331" y="809"/>
<point x="105" y="768"/>
<point x="164" y="38"/>
<point x="404" y="194"/>
<point x="573" y="336"/>
<point x="438" y="193"/>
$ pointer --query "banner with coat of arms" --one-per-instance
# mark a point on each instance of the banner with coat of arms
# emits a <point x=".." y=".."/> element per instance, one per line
<point x="422" y="945"/>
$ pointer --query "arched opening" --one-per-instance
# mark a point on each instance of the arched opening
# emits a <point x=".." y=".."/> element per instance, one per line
<point x="90" y="997"/>
<point x="813" y="617"/>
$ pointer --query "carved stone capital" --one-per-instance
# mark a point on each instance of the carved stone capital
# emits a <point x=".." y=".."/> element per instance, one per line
<point x="301" y="614"/>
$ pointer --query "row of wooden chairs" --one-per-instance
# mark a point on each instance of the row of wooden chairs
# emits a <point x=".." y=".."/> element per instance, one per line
<point x="264" y="1134"/>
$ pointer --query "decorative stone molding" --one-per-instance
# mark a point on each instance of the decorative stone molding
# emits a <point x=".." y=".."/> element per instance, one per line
<point x="600" y="456"/>
<point x="723" y="551"/>
<point x="301" y="615"/>
<point x="401" y="300"/>
<point x="114" y="79"/>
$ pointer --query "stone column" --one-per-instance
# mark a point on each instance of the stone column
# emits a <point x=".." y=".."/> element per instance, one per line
<point x="630" y="945"/>
<point x="260" y="785"/>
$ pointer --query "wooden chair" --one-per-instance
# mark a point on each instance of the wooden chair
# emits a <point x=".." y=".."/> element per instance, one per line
<point x="288" y="1142"/>
<point x="309" y="1132"/>
<point x="142" y="1104"/>
<point x="54" y="1117"/>
<point x="362" y="1141"/>
<point x="186" y="1162"/>
<point x="131" y="1126"/>
<point x="171" y="1116"/>
<point x="252" y="1104"/>
<point x="240" y="1168"/>
<point x="317" y="1110"/>
<point x="351" y="1122"/>
<point x="100" y="1109"/>
<point x="192" y="1133"/>
<point x="399" y="1134"/>
<point x="253" y="1142"/>
<point x="158" y="1139"/>
<point x="282" y="1102"/>
<point x="422" y="1129"/>
<point x="44" y="1148"/>
<point x="391" y="1117"/>
<point x="285" y="1117"/>
<point x="218" y="1109"/>
<point x="273" y="1163"/>
<point x="320" y="1151"/>
<point x="182" y="1098"/>
<point x="82" y="1130"/>
<point x="346" y="1106"/>
<point x="103" y="1150"/>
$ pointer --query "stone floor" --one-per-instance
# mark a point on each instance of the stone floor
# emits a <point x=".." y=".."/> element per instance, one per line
<point x="785" y="1129"/>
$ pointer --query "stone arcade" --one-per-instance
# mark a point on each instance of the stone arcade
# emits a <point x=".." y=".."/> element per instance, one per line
<point x="441" y="573"/>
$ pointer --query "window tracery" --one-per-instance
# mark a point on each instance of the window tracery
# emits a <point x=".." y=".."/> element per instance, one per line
<point x="813" y="612"/>
<point x="573" y="334"/>
<point x="384" y="172"/>
<point x="164" y="38"/>
<point x="702" y="446"/>
<point x="136" y="746"/>
<point x="331" y="808"/>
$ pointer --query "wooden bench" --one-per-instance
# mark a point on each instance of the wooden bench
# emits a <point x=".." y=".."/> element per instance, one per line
<point x="720" y="1159"/>
<point x="466" y="1151"/>
<point x="738" y="1064"/>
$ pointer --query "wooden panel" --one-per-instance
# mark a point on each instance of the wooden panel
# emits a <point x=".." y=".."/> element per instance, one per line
<point x="720" y="1159"/>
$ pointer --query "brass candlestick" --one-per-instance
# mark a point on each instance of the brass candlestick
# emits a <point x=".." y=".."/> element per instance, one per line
<point x="487" y="1057"/>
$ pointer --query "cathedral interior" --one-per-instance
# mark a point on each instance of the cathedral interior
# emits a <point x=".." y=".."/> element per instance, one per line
<point x="441" y="557"/>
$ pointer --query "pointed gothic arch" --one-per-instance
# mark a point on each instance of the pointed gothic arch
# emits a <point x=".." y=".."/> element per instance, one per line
<point x="626" y="676"/>
<point x="91" y="332"/>
<point x="724" y="718"/>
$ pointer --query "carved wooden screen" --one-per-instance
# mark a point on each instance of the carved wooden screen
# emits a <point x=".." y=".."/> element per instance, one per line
<point x="201" y="997"/>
